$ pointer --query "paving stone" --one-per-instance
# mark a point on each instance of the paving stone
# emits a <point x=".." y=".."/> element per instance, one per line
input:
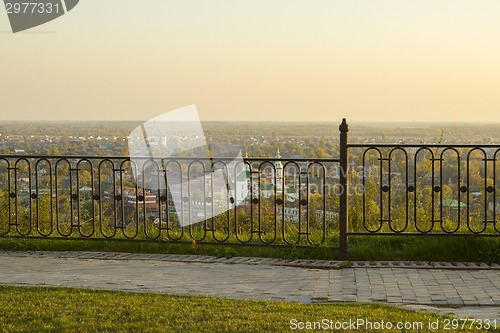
<point x="449" y="284"/>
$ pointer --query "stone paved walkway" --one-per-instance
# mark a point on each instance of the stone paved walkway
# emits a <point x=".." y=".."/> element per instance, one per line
<point x="465" y="292"/>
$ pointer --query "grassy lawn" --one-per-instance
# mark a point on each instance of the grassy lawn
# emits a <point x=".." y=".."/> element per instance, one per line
<point x="24" y="309"/>
<point x="219" y="250"/>
<point x="425" y="248"/>
<point x="470" y="249"/>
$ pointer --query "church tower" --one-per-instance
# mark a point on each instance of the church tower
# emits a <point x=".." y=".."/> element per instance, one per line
<point x="279" y="172"/>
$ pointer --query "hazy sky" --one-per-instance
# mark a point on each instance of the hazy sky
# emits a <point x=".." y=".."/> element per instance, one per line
<point x="366" y="60"/>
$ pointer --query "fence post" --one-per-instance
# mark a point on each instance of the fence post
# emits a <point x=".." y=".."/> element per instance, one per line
<point x="344" y="198"/>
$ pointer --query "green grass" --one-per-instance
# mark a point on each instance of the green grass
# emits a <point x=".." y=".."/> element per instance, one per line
<point x="425" y="248"/>
<point x="72" y="310"/>
<point x="222" y="250"/>
<point x="412" y="248"/>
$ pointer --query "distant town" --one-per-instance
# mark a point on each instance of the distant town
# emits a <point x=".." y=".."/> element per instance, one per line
<point x="256" y="139"/>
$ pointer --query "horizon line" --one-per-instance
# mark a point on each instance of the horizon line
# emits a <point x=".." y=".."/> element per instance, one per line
<point x="378" y="122"/>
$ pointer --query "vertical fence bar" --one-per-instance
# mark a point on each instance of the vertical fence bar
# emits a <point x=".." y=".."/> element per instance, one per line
<point x="343" y="214"/>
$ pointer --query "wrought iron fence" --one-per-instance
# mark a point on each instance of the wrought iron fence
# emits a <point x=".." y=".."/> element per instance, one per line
<point x="371" y="189"/>
<point x="265" y="201"/>
<point x="426" y="189"/>
<point x="418" y="190"/>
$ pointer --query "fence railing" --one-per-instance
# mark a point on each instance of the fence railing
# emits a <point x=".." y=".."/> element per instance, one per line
<point x="423" y="189"/>
<point x="371" y="189"/>
<point x="431" y="188"/>
<point x="261" y="201"/>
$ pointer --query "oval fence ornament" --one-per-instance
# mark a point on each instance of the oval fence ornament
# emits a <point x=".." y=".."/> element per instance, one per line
<point x="24" y="14"/>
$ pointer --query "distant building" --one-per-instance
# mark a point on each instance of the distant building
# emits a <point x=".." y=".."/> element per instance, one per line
<point x="279" y="172"/>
